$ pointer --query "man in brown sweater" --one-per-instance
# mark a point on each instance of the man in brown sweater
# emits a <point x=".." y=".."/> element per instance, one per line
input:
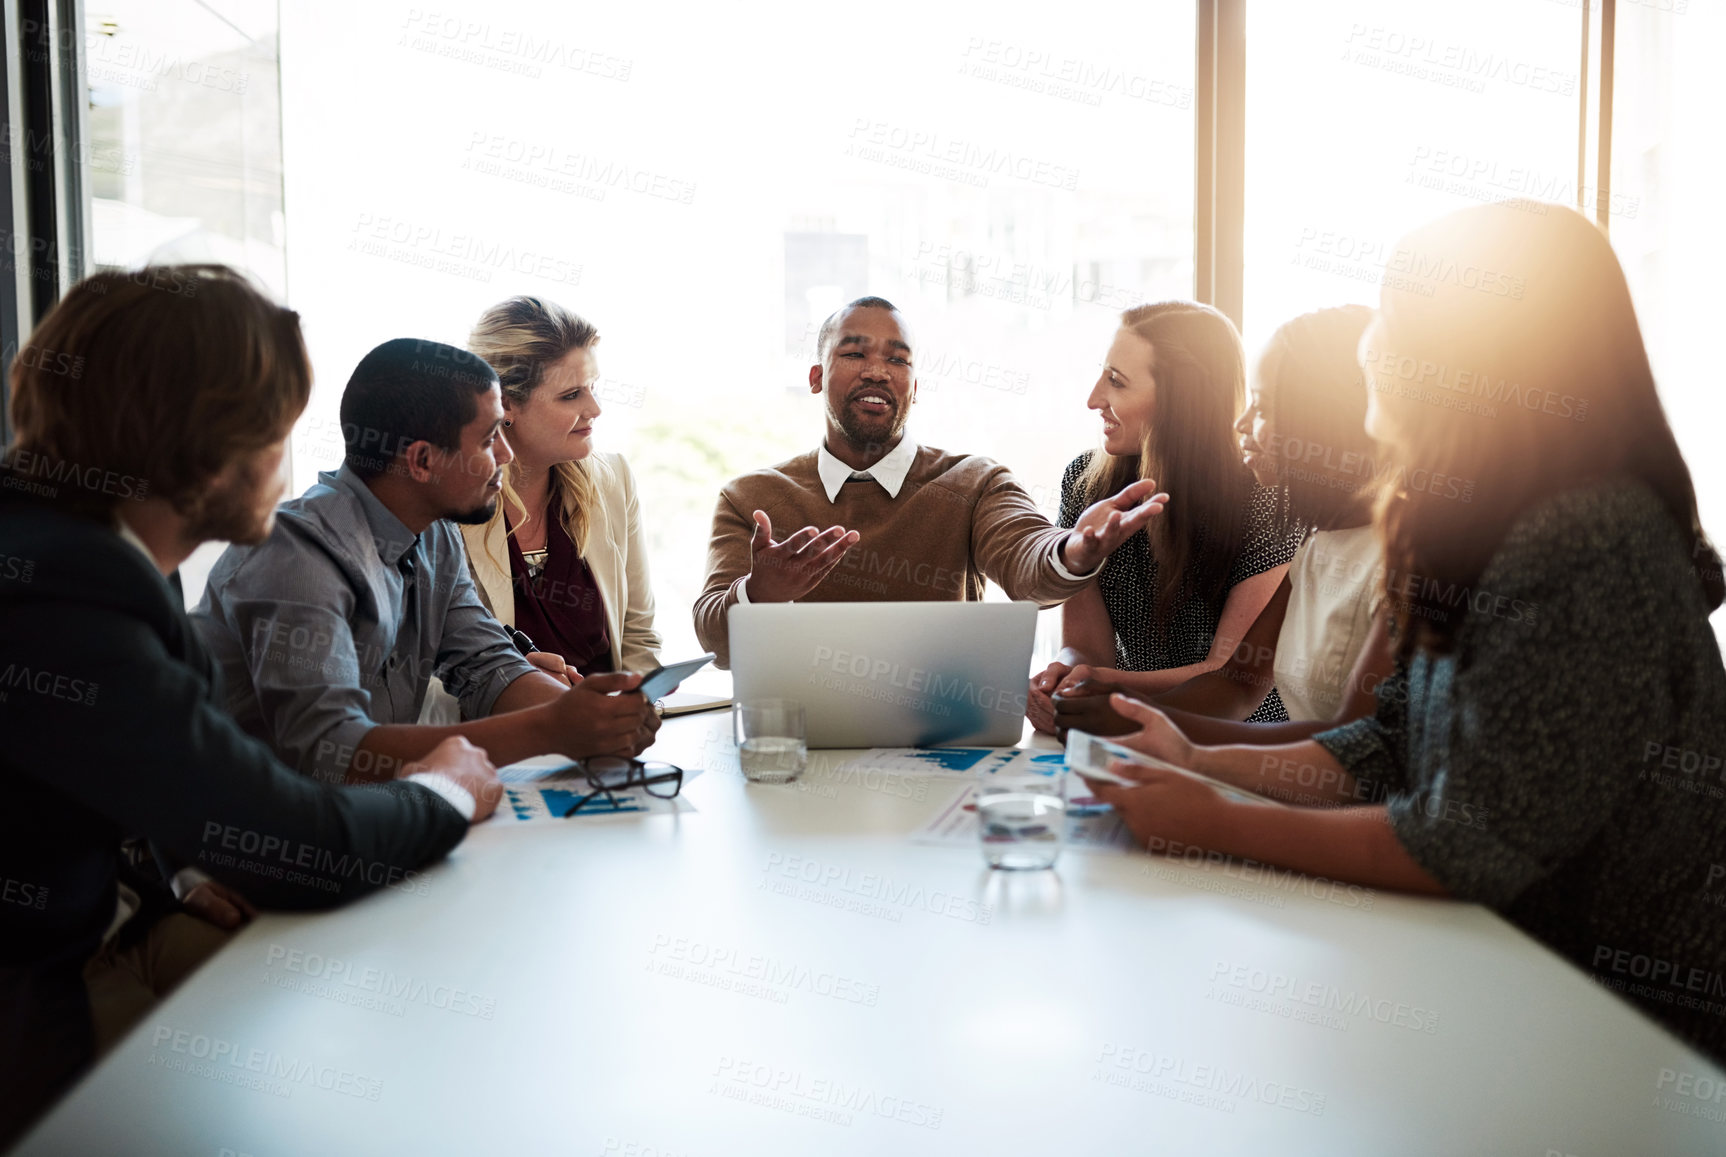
<point x="909" y="522"/>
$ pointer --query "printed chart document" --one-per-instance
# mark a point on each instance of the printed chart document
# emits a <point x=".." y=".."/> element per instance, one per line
<point x="546" y="786"/>
<point x="1092" y="826"/>
<point x="961" y="761"/>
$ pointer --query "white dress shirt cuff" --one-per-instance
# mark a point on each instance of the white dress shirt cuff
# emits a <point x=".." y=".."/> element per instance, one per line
<point x="185" y="880"/>
<point x="1060" y="568"/>
<point x="743" y="591"/>
<point x="453" y="793"/>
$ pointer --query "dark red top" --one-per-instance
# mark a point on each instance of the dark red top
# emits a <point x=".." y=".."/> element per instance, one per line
<point x="560" y="608"/>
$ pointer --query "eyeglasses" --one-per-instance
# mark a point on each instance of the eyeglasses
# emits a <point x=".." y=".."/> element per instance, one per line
<point x="606" y="774"/>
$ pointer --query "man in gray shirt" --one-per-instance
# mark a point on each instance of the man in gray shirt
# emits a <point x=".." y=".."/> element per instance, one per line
<point x="330" y="630"/>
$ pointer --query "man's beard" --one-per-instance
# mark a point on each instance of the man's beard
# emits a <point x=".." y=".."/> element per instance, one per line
<point x="229" y="513"/>
<point x="881" y="434"/>
<point x="478" y="516"/>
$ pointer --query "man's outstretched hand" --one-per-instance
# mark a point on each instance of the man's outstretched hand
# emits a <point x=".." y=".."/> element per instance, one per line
<point x="1107" y="524"/>
<point x="782" y="571"/>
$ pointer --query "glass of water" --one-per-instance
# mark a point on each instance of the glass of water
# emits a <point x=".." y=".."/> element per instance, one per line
<point x="1022" y="818"/>
<point x="771" y="743"/>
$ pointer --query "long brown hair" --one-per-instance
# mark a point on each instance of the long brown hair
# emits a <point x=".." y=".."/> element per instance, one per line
<point x="1511" y="359"/>
<point x="521" y="338"/>
<point x="1189" y="448"/>
<point x="147" y="383"/>
<point x="1316" y="413"/>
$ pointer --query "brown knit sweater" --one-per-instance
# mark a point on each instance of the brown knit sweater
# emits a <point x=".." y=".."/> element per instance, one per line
<point x="958" y="519"/>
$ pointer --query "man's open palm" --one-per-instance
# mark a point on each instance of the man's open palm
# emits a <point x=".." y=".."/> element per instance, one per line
<point x="782" y="571"/>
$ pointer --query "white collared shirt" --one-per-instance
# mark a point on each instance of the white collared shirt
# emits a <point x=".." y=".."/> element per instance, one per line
<point x="131" y="536"/>
<point x="890" y="471"/>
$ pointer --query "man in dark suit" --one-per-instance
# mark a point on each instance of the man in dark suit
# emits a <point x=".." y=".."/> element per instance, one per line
<point x="152" y="411"/>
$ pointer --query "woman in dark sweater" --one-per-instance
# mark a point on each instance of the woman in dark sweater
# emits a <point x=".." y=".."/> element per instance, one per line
<point x="1553" y="744"/>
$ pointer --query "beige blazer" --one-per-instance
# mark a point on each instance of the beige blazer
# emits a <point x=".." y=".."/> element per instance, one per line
<point x="615" y="553"/>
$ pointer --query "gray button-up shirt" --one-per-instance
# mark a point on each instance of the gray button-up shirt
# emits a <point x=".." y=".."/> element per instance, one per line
<point x="337" y="622"/>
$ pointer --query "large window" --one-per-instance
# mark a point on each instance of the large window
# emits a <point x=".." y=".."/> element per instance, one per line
<point x="706" y="185"/>
<point x="183" y="160"/>
<point x="706" y="192"/>
<point x="1663" y="203"/>
<point x="1366" y="118"/>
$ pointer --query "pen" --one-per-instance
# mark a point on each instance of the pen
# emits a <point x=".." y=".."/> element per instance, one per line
<point x="521" y="641"/>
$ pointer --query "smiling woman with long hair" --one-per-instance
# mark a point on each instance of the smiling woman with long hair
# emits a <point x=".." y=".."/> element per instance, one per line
<point x="1553" y="746"/>
<point x="1173" y="602"/>
<point x="1320" y="642"/>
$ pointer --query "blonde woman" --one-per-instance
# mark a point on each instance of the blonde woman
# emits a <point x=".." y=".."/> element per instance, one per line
<point x="562" y="560"/>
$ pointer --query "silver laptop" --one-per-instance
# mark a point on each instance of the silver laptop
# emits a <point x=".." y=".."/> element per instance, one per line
<point x="890" y="674"/>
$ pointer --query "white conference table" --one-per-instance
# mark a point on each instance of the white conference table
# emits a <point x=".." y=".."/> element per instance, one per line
<point x="783" y="971"/>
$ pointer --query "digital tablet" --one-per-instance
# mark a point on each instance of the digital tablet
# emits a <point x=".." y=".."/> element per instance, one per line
<point x="665" y="679"/>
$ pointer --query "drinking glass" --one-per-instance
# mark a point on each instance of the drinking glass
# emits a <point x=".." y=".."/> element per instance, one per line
<point x="771" y="742"/>
<point x="1022" y="818"/>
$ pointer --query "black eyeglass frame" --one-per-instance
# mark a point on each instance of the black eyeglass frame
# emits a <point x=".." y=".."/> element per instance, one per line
<point x="645" y="774"/>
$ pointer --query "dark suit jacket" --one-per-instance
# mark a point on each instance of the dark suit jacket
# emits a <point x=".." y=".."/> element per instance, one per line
<point x="111" y="726"/>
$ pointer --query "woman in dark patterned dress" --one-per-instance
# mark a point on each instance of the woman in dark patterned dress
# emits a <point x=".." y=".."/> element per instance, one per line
<point x="1552" y="746"/>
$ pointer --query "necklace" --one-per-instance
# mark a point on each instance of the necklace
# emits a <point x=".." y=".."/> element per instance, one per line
<point x="535" y="559"/>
